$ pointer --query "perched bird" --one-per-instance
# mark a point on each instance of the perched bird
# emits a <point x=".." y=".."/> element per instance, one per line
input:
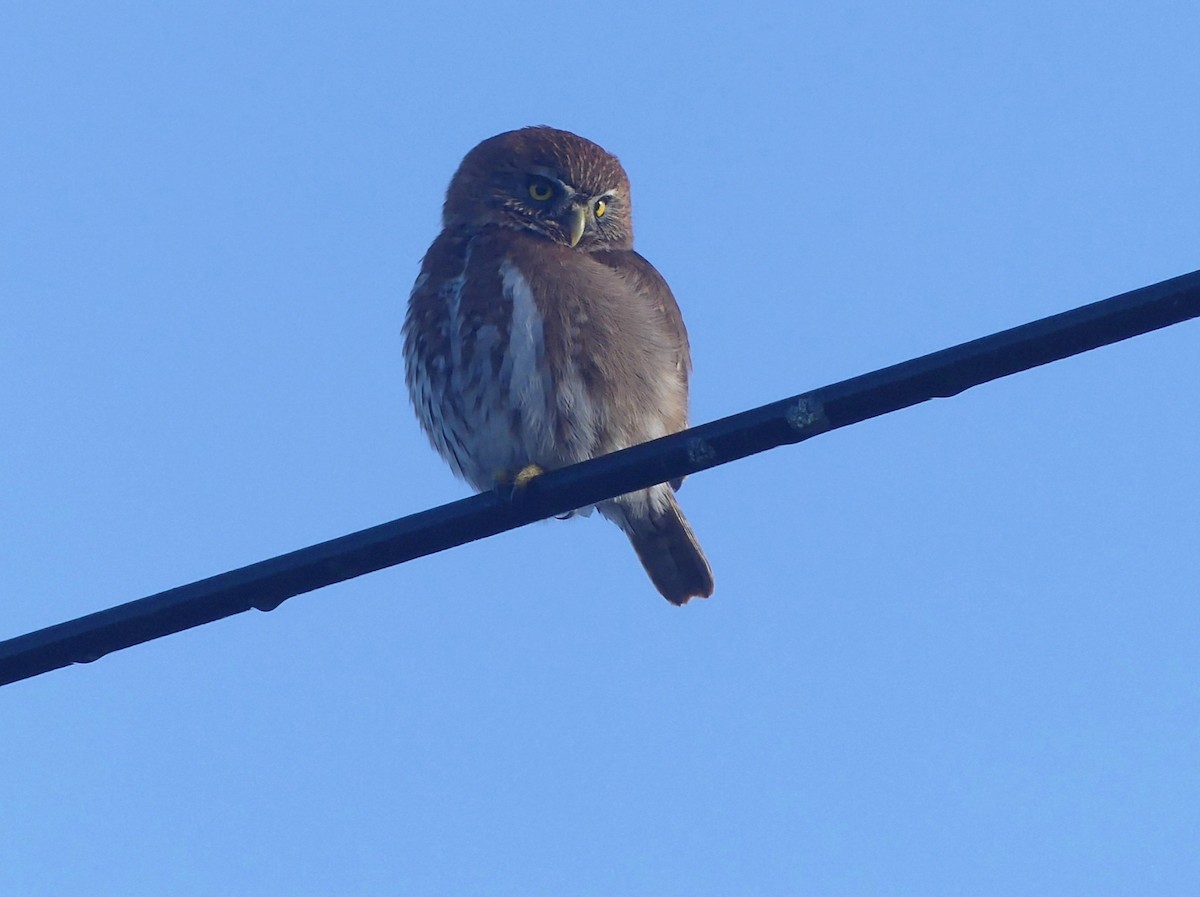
<point x="536" y="337"/>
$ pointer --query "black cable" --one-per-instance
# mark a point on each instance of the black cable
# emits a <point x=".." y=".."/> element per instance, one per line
<point x="268" y="583"/>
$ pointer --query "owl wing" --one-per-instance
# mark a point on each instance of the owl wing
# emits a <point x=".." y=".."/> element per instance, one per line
<point x="646" y="282"/>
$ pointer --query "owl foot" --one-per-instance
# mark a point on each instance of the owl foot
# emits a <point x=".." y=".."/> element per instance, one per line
<point x="509" y="486"/>
<point x="526" y="475"/>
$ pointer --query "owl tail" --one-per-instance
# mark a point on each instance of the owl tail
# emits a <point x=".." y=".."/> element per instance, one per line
<point x="664" y="543"/>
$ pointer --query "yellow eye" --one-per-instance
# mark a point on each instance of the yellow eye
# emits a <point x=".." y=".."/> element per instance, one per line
<point x="541" y="191"/>
<point x="600" y="208"/>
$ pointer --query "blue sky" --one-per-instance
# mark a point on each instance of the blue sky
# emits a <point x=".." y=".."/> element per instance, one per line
<point x="953" y="650"/>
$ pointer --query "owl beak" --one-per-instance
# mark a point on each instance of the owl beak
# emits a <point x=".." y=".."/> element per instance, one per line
<point x="576" y="223"/>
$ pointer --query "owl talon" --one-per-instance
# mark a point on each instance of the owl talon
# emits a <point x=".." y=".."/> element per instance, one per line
<point x="510" y="487"/>
<point x="526" y="475"/>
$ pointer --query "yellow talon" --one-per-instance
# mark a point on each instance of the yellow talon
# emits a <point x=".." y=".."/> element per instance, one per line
<point x="526" y="475"/>
<point x="509" y="486"/>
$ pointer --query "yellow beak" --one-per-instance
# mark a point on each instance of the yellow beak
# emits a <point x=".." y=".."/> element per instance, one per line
<point x="576" y="222"/>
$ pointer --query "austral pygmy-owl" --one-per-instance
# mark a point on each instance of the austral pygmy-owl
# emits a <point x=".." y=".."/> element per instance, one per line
<point x="536" y="337"/>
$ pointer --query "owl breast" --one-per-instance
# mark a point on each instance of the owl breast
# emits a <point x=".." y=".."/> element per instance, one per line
<point x="514" y="359"/>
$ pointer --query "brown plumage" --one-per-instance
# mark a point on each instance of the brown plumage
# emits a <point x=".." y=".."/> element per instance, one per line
<point x="535" y="335"/>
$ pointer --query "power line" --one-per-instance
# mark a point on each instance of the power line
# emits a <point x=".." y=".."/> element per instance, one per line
<point x="267" y="584"/>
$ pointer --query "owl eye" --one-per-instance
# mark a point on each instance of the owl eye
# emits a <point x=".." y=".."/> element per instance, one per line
<point x="600" y="208"/>
<point x="540" y="190"/>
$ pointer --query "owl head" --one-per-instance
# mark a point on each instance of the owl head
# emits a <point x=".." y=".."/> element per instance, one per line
<point x="550" y="182"/>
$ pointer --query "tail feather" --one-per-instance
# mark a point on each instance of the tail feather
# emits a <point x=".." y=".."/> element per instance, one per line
<point x="665" y="544"/>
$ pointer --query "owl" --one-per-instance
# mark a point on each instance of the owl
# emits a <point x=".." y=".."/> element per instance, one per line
<point x="536" y="337"/>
